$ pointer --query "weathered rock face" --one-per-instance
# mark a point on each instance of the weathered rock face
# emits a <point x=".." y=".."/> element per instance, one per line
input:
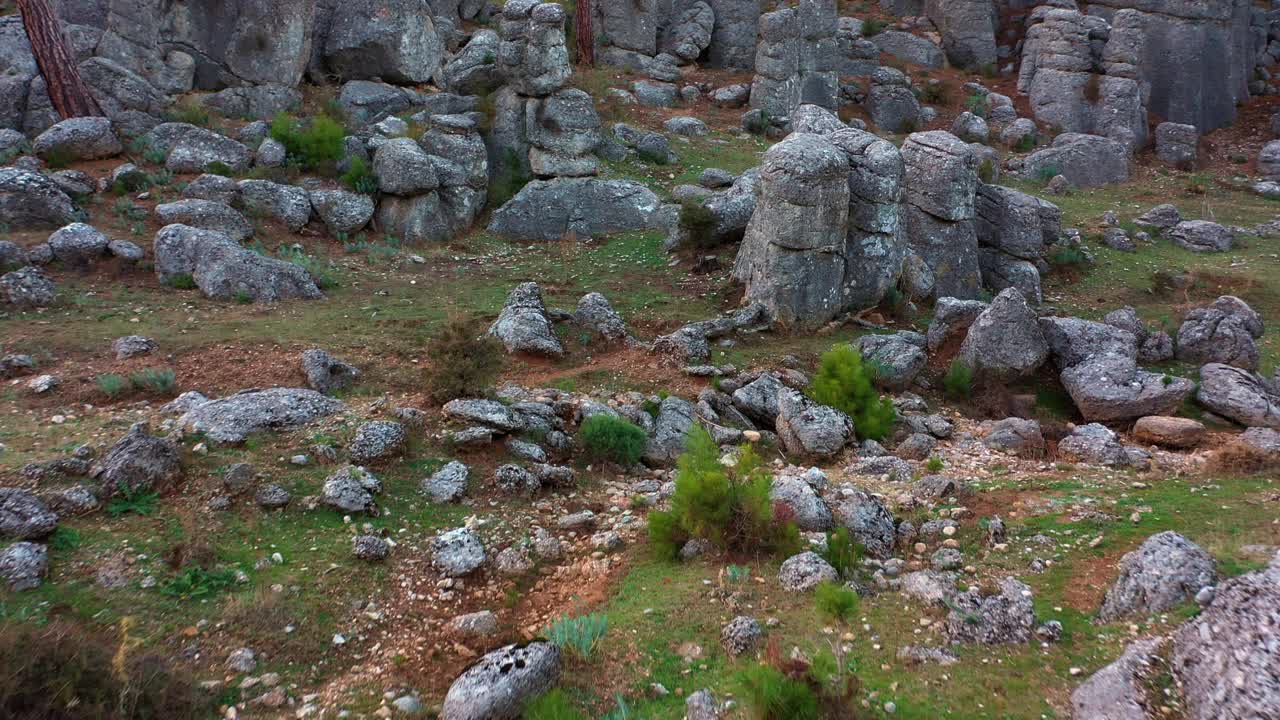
<point x="808" y="429"/>
<point x="31" y="200"/>
<point x="474" y="70"/>
<point x="689" y="36"/>
<point x="968" y="30"/>
<point x="891" y="103"/>
<point x="138" y="462"/>
<point x="523" y="325"/>
<point x="1240" y="395"/>
<point x="1164" y="572"/>
<point x="868" y="520"/>
<point x="629" y="26"/>
<point x="498" y="686"/>
<point x="1120" y="691"/>
<point x="532" y="55"/>
<point x="1084" y="160"/>
<point x="391" y="39"/>
<point x="899" y="358"/>
<point x="585" y="207"/>
<point x="445" y="184"/>
<point x="675" y="419"/>
<point x="233" y="418"/>
<point x="733" y="39"/>
<point x="810" y="512"/>
<point x="1014" y="232"/>
<point x="941" y="181"/>
<point x="23" y="516"/>
<point x="1202" y="236"/>
<point x="223" y="269"/>
<point x="1225" y="658"/>
<point x="1225" y="332"/>
<point x="790" y="259"/>
<point x="796" y="59"/>
<point x="1005" y="340"/>
<point x="993" y="620"/>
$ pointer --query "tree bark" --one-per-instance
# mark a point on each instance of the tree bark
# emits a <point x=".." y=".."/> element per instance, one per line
<point x="67" y="90"/>
<point x="584" y="33"/>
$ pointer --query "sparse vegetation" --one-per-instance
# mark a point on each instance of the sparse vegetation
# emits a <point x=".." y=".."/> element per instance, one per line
<point x="835" y="601"/>
<point x="466" y="361"/>
<point x="958" y="381"/>
<point x="311" y="144"/>
<point x="112" y="385"/>
<point x="578" y="636"/>
<point x="158" y="381"/>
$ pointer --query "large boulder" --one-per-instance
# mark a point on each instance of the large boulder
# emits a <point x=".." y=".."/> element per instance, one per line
<point x="1122" y="690"/>
<point x="233" y="418"/>
<point x="951" y="321"/>
<point x="138" y="462"/>
<point x="911" y="49"/>
<point x="499" y="685"/>
<point x="30" y="200"/>
<point x="804" y="572"/>
<point x="1094" y="444"/>
<point x="1007" y="617"/>
<point x="1005" y="340"/>
<point x="808" y="429"/>
<point x="326" y="373"/>
<point x="1084" y="160"/>
<point x="868" y="520"/>
<point x="351" y="489"/>
<point x="968" y="29"/>
<point x="1240" y="395"/>
<point x="532" y="55"/>
<point x="78" y="244"/>
<point x="897" y="358"/>
<point x="689" y="35"/>
<point x="224" y="270"/>
<point x="582" y="207"/>
<point x="523" y="325"/>
<point x="23" y="565"/>
<point x="82" y="138"/>
<point x="287" y="204"/>
<point x="210" y="215"/>
<point x="404" y="168"/>
<point x="1202" y="236"/>
<point x="342" y="211"/>
<point x="1225" y="659"/>
<point x="457" y="552"/>
<point x="23" y="516"/>
<point x="806" y="507"/>
<point x="1166" y="571"/>
<point x="890" y="103"/>
<point x="941" y="182"/>
<point x="1111" y="388"/>
<point x="1225" y="332"/>
<point x="27" y="287"/>
<point x="474" y="70"/>
<point x="394" y="40"/>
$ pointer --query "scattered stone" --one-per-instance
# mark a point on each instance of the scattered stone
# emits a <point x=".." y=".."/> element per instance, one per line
<point x="498" y="686"/>
<point x="742" y="635"/>
<point x="803" y="572"/>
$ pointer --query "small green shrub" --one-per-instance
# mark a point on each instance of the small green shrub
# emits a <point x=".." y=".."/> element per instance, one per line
<point x="509" y="178"/>
<point x="133" y="500"/>
<point x="578" y="636"/>
<point x="466" y="361"/>
<point x="64" y="538"/>
<point x="58" y="158"/>
<point x="309" y="144"/>
<point x="160" y="381"/>
<point x="977" y="104"/>
<point x="1027" y="143"/>
<point x="958" y="381"/>
<point x="698" y="224"/>
<point x="1048" y="172"/>
<point x="1067" y="256"/>
<point x="189" y="112"/>
<point x="935" y="93"/>
<point x="125" y="209"/>
<point x="360" y="178"/>
<point x="987" y="171"/>
<point x="181" y="281"/>
<point x="553" y="705"/>
<point x="112" y="385"/>
<point x="728" y="506"/>
<point x="843" y="552"/>
<point x="605" y="437"/>
<point x="196" y="583"/>
<point x="835" y="601"/>
<point x="934" y="465"/>
<point x="844" y="383"/>
<point x="872" y="27"/>
<point x="768" y="694"/>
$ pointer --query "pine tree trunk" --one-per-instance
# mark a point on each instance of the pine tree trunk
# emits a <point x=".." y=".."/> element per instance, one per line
<point x="67" y="90"/>
<point x="585" y="35"/>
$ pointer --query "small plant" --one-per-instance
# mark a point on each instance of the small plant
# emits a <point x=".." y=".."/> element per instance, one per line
<point x="698" y="224"/>
<point x="1027" y="143"/>
<point x="578" y="636"/>
<point x="621" y="710"/>
<point x="771" y="695"/>
<point x="154" y="156"/>
<point x="509" y="177"/>
<point x="136" y="500"/>
<point x="958" y="381"/>
<point x="935" y="93"/>
<point x="217" y="167"/>
<point x="466" y="361"/>
<point x="606" y="437"/>
<point x="242" y="297"/>
<point x="112" y="385"/>
<point x="125" y="209"/>
<point x="319" y="270"/>
<point x="64" y="538"/>
<point x="728" y="506"/>
<point x="934" y="465"/>
<point x="977" y="104"/>
<point x="843" y="552"/>
<point x="987" y="171"/>
<point x="189" y="112"/>
<point x="181" y="281"/>
<point x="835" y="601"/>
<point x="58" y="158"/>
<point x="159" y="381"/>
<point x="1045" y="173"/>
<point x="872" y="27"/>
<point x="737" y="574"/>
<point x="197" y="583"/>
<point x="845" y="383"/>
<point x="359" y="177"/>
<point x="309" y="144"/>
<point x="1068" y="256"/>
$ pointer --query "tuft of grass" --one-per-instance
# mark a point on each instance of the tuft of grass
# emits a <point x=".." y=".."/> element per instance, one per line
<point x="112" y="385"/>
<point x="770" y="695"/>
<point x="552" y="705"/>
<point x="160" y="381"/>
<point x="181" y="281"/>
<point x="133" y="500"/>
<point x="360" y="178"/>
<point x="310" y="144"/>
<point x="958" y="381"/>
<point x="698" y="224"/>
<point x="934" y="465"/>
<point x="578" y="636"/>
<point x="196" y="583"/>
<point x="843" y="552"/>
<point x="64" y="539"/>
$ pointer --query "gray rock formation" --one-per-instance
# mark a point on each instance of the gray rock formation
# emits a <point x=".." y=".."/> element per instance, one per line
<point x="350" y="490"/>
<point x="1005" y="618"/>
<point x="233" y="418"/>
<point x="808" y="429"/>
<point x="222" y="269"/>
<point x="897" y="358"/>
<point x="968" y="29"/>
<point x="206" y="215"/>
<point x="1166" y="571"/>
<point x="890" y="103"/>
<point x="523" y="325"/>
<point x="796" y="59"/>
<point x="868" y="520"/>
<point x="1084" y="160"/>
<point x="1240" y="395"/>
<point x="23" y="565"/>
<point x="448" y="484"/>
<point x="1202" y="236"/>
<point x="583" y="207"/>
<point x="1224" y="332"/>
<point x="1225" y="658"/>
<point x="500" y="683"/>
<point x="938" y="215"/>
<point x="138" y="462"/>
<point x="1122" y="690"/>
<point x="1005" y="340"/>
<point x="29" y="200"/>
<point x="23" y="516"/>
<point x="804" y="572"/>
<point x="84" y="138"/>
<point x="456" y="553"/>
<point x="395" y="40"/>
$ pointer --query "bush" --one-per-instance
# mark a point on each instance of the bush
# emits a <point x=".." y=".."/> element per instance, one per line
<point x="697" y="224"/>
<point x="181" y="281"/>
<point x="578" y="636"/>
<point x="728" y="506"/>
<point x="1027" y="143"/>
<point x="1048" y="172"/>
<point x="1067" y="256"/>
<point x="112" y="385"/>
<point x="836" y="601"/>
<point x="466" y="361"/>
<point x="312" y="143"/>
<point x="987" y="171"/>
<point x="606" y="437"/>
<point x="935" y="93"/>
<point x="844" y="383"/>
<point x="62" y="671"/>
<point x="189" y="112"/>
<point x="360" y="178"/>
<point x="770" y="695"/>
<point x="977" y="104"/>
<point x="934" y="465"/>
<point x="958" y="381"/>
<point x="872" y="27"/>
<point x="843" y="552"/>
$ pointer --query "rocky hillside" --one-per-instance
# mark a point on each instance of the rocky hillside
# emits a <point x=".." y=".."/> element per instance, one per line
<point x="641" y="359"/>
